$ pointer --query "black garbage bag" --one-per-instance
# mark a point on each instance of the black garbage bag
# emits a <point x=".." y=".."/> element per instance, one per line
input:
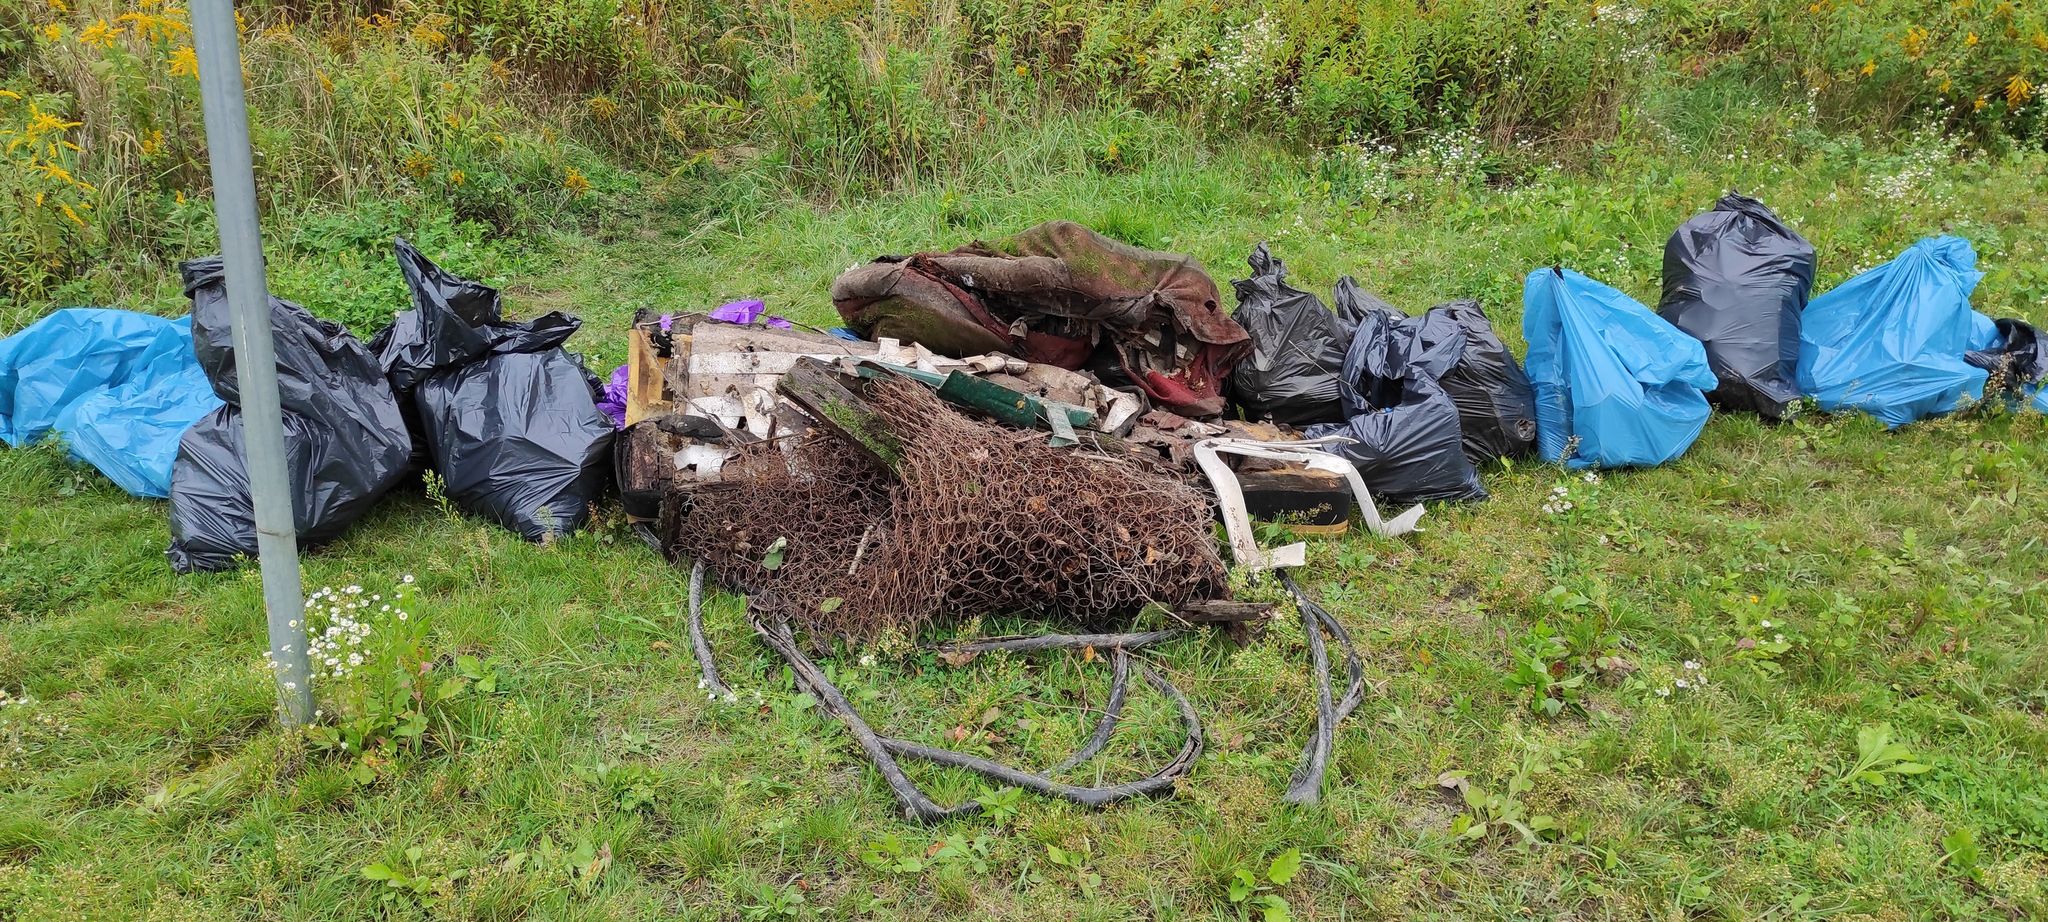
<point x="1297" y="348"/>
<point x="1408" y="443"/>
<point x="508" y="419"/>
<point x="2018" y="364"/>
<point x="345" y="440"/>
<point x="1496" y="405"/>
<point x="1737" y="278"/>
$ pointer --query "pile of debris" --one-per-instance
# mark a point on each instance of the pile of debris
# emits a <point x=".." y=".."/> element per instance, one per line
<point x="856" y="488"/>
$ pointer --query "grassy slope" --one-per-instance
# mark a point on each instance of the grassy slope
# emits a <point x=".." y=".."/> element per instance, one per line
<point x="1905" y="570"/>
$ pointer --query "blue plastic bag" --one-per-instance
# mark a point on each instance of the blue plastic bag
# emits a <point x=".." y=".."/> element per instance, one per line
<point x="1890" y="342"/>
<point x="119" y="387"/>
<point x="1615" y="384"/>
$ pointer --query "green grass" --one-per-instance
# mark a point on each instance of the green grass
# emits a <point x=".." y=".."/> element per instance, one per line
<point x="1904" y="569"/>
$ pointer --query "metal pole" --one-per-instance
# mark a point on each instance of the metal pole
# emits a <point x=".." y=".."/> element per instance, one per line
<point x="218" y="48"/>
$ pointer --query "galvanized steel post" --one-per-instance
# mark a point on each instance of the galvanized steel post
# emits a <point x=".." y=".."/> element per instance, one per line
<point x="216" y="42"/>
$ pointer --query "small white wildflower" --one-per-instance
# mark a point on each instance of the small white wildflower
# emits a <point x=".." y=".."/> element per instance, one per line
<point x="1766" y="623"/>
<point x="1663" y="693"/>
<point x="1680" y="683"/>
<point x="1692" y="665"/>
<point x="1778" y="639"/>
<point x="401" y="616"/>
<point x="867" y="660"/>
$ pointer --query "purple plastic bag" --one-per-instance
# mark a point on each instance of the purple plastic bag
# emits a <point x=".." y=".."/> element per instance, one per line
<point x="614" y="402"/>
<point x="746" y="312"/>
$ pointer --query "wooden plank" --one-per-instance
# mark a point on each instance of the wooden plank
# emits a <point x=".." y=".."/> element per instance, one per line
<point x="645" y="371"/>
<point x="817" y="387"/>
<point x="1242" y="622"/>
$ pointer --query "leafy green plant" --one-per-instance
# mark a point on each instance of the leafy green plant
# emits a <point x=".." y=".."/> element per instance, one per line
<point x="889" y="853"/>
<point x="1001" y="805"/>
<point x="1879" y="759"/>
<point x="1248" y="892"/>
<point x="1489" y="812"/>
<point x="630" y="786"/>
<point x="406" y="880"/>
<point x="1544" y="672"/>
<point x="1959" y="850"/>
<point x="378" y="689"/>
<point x="1075" y="862"/>
<point x="768" y="901"/>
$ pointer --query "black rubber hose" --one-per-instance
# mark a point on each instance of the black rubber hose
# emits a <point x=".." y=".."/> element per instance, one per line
<point x="711" y="681"/>
<point x="649" y="538"/>
<point x="915" y="804"/>
<point x="1306" y="784"/>
<point x="1061" y="642"/>
<point x="1158" y="782"/>
<point x="1353" y="666"/>
<point x="1119" y="686"/>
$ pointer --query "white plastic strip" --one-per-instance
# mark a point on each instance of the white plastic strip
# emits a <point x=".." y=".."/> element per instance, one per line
<point x="1237" y="525"/>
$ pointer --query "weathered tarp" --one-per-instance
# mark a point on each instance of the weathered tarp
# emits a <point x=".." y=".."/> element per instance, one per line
<point x="119" y="388"/>
<point x="1063" y="295"/>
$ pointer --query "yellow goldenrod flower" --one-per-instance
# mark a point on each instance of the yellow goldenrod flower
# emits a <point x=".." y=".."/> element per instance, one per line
<point x="1023" y="71"/>
<point x="53" y="33"/>
<point x="2018" y="90"/>
<point x="574" y="182"/>
<point x="1869" y="67"/>
<point x="326" y="85"/>
<point x="59" y="6"/>
<point x="417" y="165"/>
<point x="1947" y="84"/>
<point x="151" y="142"/>
<point x="2041" y="40"/>
<point x="10" y="94"/>
<point x="1915" y="42"/>
<point x="184" y="62"/>
<point x="1979" y="105"/>
<point x="75" y="219"/>
<point x="429" y="36"/>
<point x="456" y="178"/>
<point x="98" y="35"/>
<point x="179" y="197"/>
<point x="602" y="107"/>
<point x="1970" y="40"/>
<point x="40" y="123"/>
<point x="151" y="27"/>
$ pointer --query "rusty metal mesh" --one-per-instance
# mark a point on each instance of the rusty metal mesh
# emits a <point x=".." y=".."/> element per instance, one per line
<point x="975" y="519"/>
